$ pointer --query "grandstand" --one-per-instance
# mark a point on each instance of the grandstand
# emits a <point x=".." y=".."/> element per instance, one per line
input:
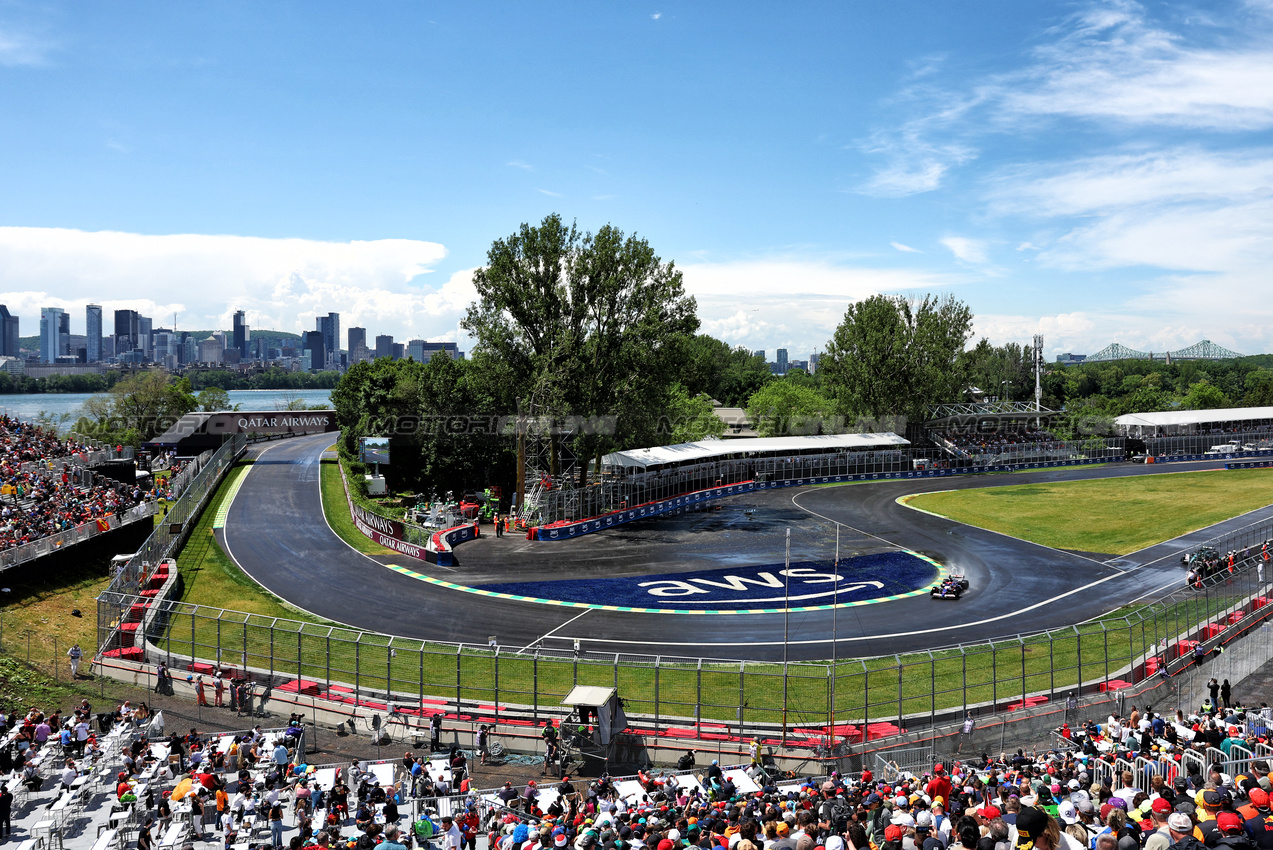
<point x="49" y="492"/>
<point x="1202" y="350"/>
<point x="1196" y="432"/>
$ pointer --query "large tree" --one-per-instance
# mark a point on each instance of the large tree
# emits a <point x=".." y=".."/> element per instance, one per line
<point x="893" y="356"/>
<point x="584" y="324"/>
<point x="137" y="408"/>
<point x="789" y="407"/>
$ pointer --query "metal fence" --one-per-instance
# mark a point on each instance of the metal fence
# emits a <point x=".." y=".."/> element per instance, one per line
<point x="854" y="699"/>
<point x="615" y="492"/>
<point x="171" y="531"/>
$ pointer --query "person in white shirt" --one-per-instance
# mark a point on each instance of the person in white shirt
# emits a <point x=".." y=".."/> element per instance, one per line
<point x="68" y="774"/>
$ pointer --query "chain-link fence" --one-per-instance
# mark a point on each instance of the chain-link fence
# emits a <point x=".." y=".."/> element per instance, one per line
<point x="857" y="699"/>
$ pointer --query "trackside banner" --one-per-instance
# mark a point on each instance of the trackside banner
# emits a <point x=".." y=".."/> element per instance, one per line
<point x="387" y="532"/>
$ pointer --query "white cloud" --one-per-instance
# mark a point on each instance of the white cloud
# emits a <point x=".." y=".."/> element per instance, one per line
<point x="656" y="16"/>
<point x="517" y="163"/>
<point x="549" y="193"/>
<point x="1109" y="66"/>
<point x="282" y="284"/>
<point x="965" y="249"/>
<point x="906" y="249"/>
<point x="1114" y="64"/>
<point x="756" y="303"/>
<point x="17" y="48"/>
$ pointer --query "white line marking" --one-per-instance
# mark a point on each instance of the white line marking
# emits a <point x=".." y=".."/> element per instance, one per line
<point x="885" y="636"/>
<point x="549" y="634"/>
<point x="899" y="501"/>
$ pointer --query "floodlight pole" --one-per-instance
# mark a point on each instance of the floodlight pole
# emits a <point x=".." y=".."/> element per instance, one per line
<point x="835" y="608"/>
<point x="1038" y="386"/>
<point x="786" y="623"/>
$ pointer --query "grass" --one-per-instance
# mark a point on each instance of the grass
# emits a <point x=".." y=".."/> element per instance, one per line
<point x="1113" y="515"/>
<point x="210" y="577"/>
<point x="337" y="511"/>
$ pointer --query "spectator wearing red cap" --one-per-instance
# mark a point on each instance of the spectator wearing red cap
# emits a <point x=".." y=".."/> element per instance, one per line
<point x="1232" y="834"/>
<point x="1160" y="838"/>
<point x="1260" y="825"/>
<point x="1257" y="801"/>
<point x="939" y="785"/>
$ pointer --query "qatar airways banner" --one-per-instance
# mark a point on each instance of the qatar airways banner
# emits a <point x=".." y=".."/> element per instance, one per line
<point x="387" y="532"/>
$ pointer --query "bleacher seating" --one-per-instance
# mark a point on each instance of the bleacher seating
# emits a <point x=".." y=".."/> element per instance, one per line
<point x="45" y="491"/>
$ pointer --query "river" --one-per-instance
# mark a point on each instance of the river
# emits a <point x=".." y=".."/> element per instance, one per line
<point x="29" y="405"/>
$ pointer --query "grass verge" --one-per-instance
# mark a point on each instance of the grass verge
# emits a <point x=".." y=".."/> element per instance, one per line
<point x="1110" y="515"/>
<point x="336" y="509"/>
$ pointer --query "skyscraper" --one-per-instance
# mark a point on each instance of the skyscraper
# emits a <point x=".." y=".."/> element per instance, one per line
<point x="93" y="332"/>
<point x="144" y="342"/>
<point x="316" y="345"/>
<point x="384" y="345"/>
<point x="8" y="333"/>
<point x="54" y="333"/>
<point x="357" y="339"/>
<point x="241" y="333"/>
<point x="125" y="332"/>
<point x="782" y="361"/>
<point x="329" y="325"/>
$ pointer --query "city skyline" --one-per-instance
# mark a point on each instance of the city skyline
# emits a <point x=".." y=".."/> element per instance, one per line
<point x="1091" y="171"/>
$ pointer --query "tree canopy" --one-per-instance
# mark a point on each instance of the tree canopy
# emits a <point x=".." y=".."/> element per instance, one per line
<point x="893" y="356"/>
<point x="584" y="324"/>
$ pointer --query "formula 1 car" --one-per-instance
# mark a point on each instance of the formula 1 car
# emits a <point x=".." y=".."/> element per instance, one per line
<point x="950" y="587"/>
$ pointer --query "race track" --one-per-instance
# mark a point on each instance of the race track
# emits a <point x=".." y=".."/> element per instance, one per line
<point x="275" y="531"/>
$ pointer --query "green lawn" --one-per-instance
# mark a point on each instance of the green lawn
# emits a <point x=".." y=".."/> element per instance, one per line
<point x="1112" y="515"/>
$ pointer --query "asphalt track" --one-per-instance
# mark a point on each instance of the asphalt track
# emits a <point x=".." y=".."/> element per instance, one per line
<point x="276" y="532"/>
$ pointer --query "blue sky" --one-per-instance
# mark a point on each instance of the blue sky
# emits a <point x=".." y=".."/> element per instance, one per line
<point x="1090" y="171"/>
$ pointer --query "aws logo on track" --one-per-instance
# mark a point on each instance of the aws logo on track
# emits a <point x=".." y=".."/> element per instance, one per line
<point x="798" y="584"/>
<point x="857" y="580"/>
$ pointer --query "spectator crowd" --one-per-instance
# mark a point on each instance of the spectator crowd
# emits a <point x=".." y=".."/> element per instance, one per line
<point x="40" y="489"/>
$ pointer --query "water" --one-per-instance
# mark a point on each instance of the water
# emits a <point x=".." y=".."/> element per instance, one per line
<point x="29" y="405"/>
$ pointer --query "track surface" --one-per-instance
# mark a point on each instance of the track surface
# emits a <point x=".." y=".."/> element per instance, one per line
<point x="276" y="532"/>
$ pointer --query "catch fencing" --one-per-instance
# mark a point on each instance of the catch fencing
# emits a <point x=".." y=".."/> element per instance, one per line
<point x="819" y="705"/>
<point x="169" y="533"/>
<point x="615" y="491"/>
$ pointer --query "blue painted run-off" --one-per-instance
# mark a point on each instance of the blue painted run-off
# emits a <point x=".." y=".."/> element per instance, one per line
<point x="809" y="583"/>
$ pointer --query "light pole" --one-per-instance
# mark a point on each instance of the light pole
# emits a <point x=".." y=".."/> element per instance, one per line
<point x="786" y="624"/>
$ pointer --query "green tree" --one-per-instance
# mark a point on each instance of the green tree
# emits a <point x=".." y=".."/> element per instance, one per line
<point x="585" y="324"/>
<point x="137" y="408"/>
<point x="892" y="356"/>
<point x="213" y="399"/>
<point x="1259" y="389"/>
<point x="1205" y="396"/>
<point x="788" y="408"/>
<point x="691" y="417"/>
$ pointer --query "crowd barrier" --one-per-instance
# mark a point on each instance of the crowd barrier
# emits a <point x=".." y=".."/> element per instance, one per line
<point x="1249" y="464"/>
